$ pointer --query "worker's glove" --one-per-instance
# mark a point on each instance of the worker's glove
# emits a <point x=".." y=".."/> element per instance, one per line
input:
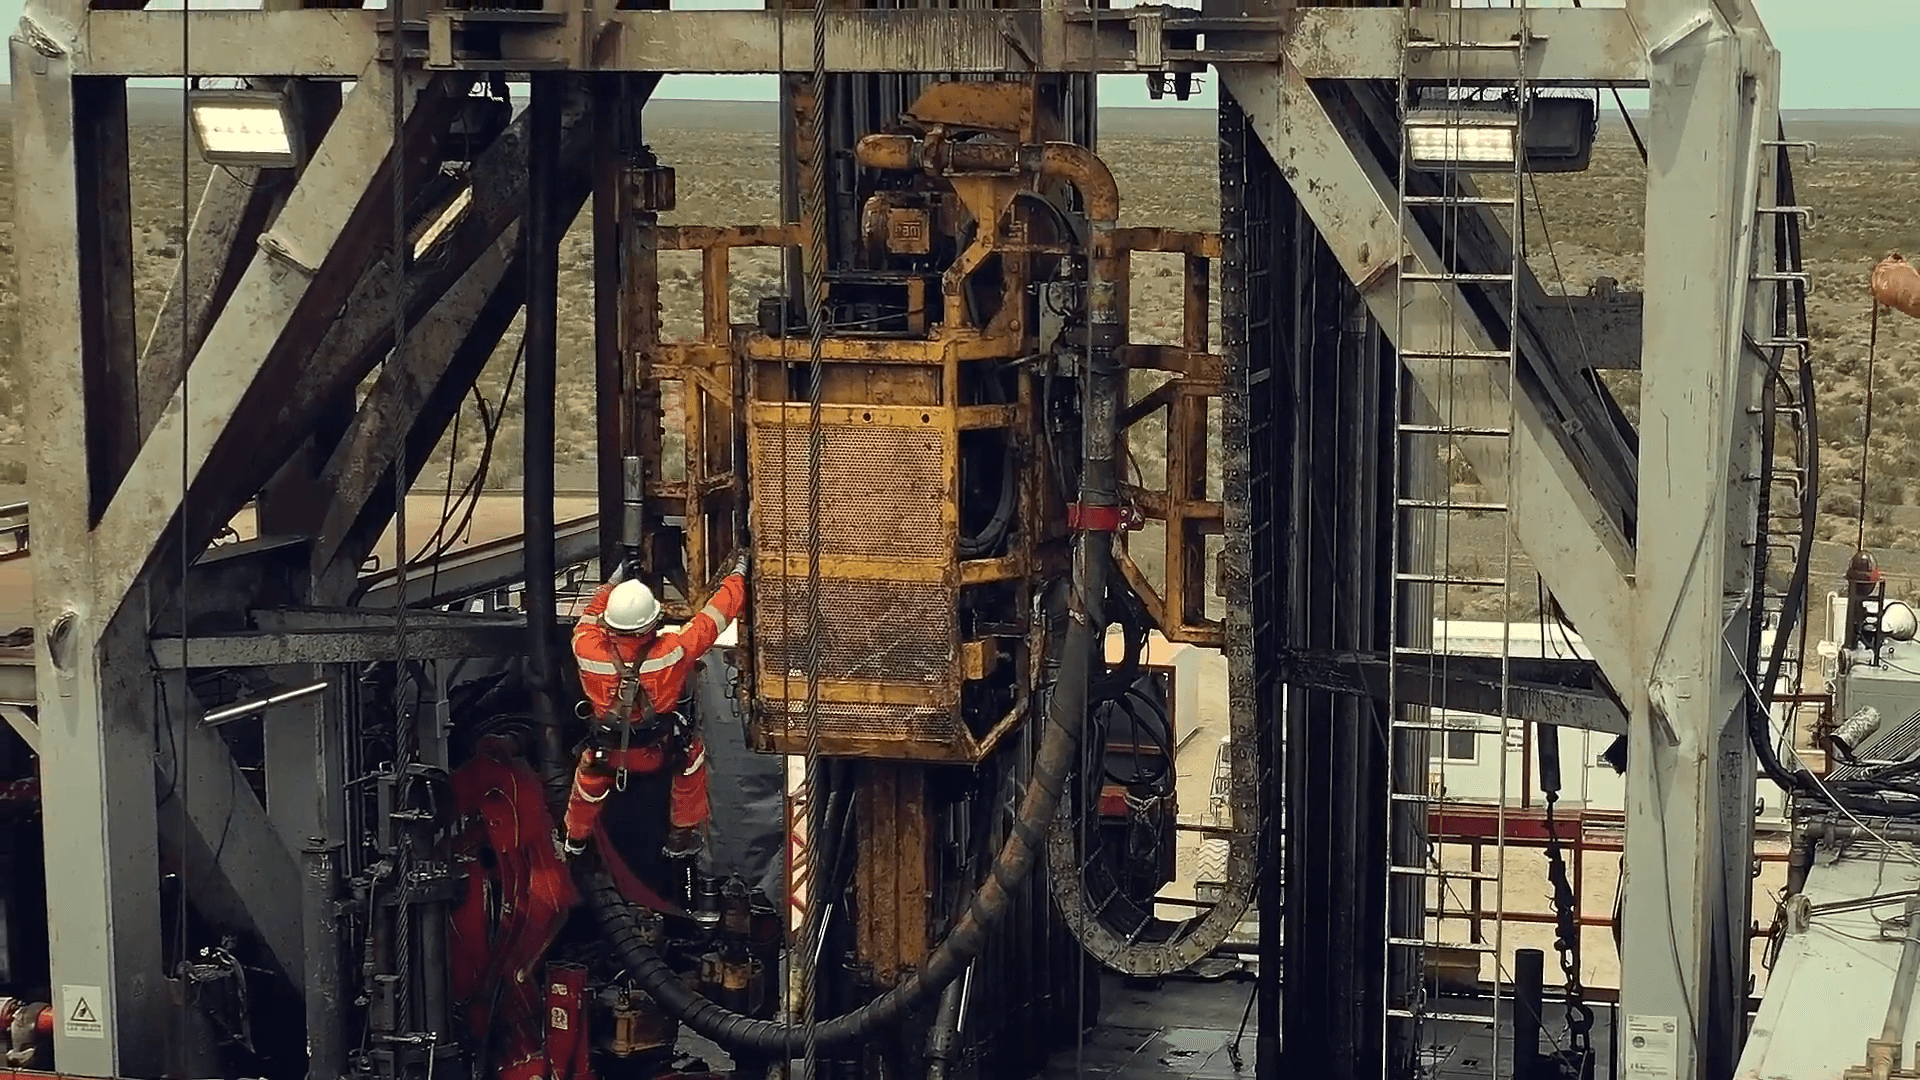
<point x="565" y="849"/>
<point x="739" y="567"/>
<point x="619" y="574"/>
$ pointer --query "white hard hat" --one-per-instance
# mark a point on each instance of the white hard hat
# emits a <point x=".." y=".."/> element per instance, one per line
<point x="632" y="608"/>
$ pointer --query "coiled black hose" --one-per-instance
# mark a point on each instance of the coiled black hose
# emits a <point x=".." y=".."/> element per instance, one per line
<point x="1059" y="748"/>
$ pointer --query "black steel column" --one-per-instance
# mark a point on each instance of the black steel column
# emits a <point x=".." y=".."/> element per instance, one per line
<point x="1333" y="519"/>
<point x="612" y="125"/>
<point x="541" y="237"/>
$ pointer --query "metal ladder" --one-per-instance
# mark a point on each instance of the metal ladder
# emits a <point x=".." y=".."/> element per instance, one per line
<point x="1784" y="508"/>
<point x="1421" y="443"/>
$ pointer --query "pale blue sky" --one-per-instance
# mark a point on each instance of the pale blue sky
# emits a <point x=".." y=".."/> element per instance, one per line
<point x="1839" y="54"/>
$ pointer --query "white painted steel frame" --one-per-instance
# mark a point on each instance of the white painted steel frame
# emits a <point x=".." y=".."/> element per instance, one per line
<point x="1654" y="619"/>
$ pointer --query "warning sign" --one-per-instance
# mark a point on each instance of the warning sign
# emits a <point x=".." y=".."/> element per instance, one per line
<point x="80" y="1010"/>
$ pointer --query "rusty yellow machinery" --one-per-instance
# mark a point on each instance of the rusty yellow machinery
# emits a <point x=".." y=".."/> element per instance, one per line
<point x="932" y="497"/>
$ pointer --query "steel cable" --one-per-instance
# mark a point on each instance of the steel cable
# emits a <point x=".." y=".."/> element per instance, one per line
<point x="813" y="206"/>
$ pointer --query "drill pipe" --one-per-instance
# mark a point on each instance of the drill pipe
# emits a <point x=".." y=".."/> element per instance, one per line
<point x="1067" y="711"/>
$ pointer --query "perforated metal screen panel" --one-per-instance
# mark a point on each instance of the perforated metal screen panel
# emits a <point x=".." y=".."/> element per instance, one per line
<point x="886" y="507"/>
<point x="883" y="492"/>
<point x="873" y="631"/>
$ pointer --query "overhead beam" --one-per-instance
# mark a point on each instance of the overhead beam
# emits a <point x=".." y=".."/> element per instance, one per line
<point x="1551" y="691"/>
<point x="1577" y="46"/>
<point x="1569" y="537"/>
<point x="1572" y="46"/>
<point x="335" y="220"/>
<point x="483" y="637"/>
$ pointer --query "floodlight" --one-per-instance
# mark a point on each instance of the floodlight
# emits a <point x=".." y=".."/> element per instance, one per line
<point x="1475" y="136"/>
<point x="1438" y="140"/>
<point x="442" y="223"/>
<point x="244" y="127"/>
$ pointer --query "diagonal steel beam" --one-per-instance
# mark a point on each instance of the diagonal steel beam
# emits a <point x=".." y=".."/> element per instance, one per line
<point x="234" y="207"/>
<point x="331" y="228"/>
<point x="1562" y="527"/>
<point x="364" y="459"/>
<point x="429" y="424"/>
<point x="243" y="875"/>
<point x="496" y="195"/>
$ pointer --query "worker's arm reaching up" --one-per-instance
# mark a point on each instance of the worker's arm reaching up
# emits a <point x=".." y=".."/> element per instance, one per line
<point x="725" y="606"/>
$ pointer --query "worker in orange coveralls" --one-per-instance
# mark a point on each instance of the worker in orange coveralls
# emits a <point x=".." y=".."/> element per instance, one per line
<point x="633" y="678"/>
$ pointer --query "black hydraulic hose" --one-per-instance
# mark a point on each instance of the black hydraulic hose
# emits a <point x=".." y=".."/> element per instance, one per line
<point x="1862" y="797"/>
<point x="1059" y="747"/>
<point x="1759" y="731"/>
<point x="972" y="547"/>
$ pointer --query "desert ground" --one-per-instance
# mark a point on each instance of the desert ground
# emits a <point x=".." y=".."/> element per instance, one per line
<point x="1581" y="226"/>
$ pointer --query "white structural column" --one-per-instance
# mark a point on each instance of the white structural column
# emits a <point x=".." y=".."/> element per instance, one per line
<point x="96" y="745"/>
<point x="1714" y="99"/>
<point x="1578" y="552"/>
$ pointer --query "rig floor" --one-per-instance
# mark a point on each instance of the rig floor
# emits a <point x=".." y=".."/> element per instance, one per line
<point x="1182" y="1029"/>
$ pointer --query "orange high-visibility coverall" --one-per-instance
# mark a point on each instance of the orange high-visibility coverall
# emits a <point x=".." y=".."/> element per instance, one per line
<point x="661" y="662"/>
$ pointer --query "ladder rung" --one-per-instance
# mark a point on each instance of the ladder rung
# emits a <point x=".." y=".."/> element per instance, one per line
<point x="1431" y="44"/>
<point x="1421" y="943"/>
<point x="1442" y="579"/>
<point x="1408" y="796"/>
<point x="1796" y="211"/>
<point x="1436" y="504"/>
<point x="1464" y="432"/>
<point x="1423" y="276"/>
<point x="1457" y="200"/>
<point x="1439" y="725"/>
<point x="1443" y="1017"/>
<point x="1801" y="344"/>
<point x="1458" y="354"/>
<point x="1442" y="872"/>
<point x="1788" y="275"/>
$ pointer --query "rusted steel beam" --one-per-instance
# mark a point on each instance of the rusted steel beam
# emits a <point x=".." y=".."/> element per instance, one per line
<point x="497" y="186"/>
<point x="234" y="428"/>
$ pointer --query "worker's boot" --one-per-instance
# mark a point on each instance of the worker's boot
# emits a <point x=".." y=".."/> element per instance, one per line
<point x="683" y="842"/>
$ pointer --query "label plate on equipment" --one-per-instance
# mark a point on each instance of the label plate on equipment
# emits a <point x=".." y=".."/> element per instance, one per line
<point x="80" y="1010"/>
<point x="1652" y="1047"/>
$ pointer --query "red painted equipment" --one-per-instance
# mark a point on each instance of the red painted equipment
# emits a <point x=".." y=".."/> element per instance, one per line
<point x="510" y="911"/>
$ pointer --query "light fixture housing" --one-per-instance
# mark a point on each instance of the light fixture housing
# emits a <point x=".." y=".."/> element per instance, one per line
<point x="244" y="128"/>
<point x="1478" y="136"/>
<point x="1474" y="140"/>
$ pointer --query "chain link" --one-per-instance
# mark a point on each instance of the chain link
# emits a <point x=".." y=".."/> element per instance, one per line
<point x="1566" y="909"/>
